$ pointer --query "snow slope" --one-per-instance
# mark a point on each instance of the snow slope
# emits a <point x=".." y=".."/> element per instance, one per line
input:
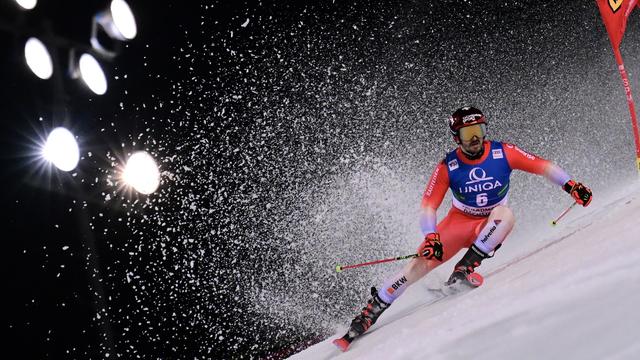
<point x="572" y="294"/>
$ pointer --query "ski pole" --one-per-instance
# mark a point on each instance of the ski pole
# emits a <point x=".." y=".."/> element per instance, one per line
<point x="339" y="268"/>
<point x="555" y="222"/>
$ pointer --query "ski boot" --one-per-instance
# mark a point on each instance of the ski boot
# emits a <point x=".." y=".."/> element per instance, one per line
<point x="361" y="323"/>
<point x="464" y="271"/>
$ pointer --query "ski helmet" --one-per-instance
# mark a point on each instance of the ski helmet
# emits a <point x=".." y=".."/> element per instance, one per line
<point x="463" y="117"/>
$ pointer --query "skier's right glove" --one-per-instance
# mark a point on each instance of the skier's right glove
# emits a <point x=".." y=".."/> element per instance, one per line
<point x="431" y="247"/>
<point x="579" y="192"/>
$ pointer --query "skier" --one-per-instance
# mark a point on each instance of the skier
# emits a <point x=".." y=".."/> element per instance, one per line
<point x="477" y="172"/>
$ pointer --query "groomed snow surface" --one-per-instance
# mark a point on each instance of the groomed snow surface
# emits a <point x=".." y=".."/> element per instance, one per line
<point x="573" y="293"/>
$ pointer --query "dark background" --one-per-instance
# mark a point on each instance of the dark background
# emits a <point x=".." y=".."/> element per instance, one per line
<point x="297" y="142"/>
<point x="79" y="302"/>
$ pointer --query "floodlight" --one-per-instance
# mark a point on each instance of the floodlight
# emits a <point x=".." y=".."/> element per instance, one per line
<point x="124" y="23"/>
<point x="38" y="58"/>
<point x="27" y="4"/>
<point x="117" y="21"/>
<point x="89" y="70"/>
<point x="141" y="173"/>
<point x="61" y="149"/>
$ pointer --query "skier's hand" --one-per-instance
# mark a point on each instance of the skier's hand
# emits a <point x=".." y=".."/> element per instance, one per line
<point x="579" y="192"/>
<point x="431" y="247"/>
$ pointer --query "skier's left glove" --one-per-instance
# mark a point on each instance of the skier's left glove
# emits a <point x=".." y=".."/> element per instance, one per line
<point x="431" y="247"/>
<point x="579" y="192"/>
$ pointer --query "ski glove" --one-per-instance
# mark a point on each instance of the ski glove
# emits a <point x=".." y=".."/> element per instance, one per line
<point x="579" y="192"/>
<point x="431" y="247"/>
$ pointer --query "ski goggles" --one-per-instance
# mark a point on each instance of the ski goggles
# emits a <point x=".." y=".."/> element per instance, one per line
<point x="468" y="132"/>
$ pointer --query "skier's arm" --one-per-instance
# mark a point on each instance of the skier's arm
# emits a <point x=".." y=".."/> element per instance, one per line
<point x="556" y="174"/>
<point x="518" y="159"/>
<point x="432" y="198"/>
<point x="521" y="160"/>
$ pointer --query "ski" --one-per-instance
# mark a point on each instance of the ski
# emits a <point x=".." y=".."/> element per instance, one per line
<point x="343" y="342"/>
<point x="346" y="340"/>
<point x="471" y="281"/>
<point x="474" y="279"/>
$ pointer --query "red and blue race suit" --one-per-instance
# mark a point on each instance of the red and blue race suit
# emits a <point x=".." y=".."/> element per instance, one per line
<point x="478" y="188"/>
<point x="480" y="185"/>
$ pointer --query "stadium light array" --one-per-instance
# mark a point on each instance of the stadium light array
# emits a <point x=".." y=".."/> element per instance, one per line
<point x="27" y="4"/>
<point x="38" y="58"/>
<point x="142" y="173"/>
<point x="116" y="21"/>
<point x="61" y="149"/>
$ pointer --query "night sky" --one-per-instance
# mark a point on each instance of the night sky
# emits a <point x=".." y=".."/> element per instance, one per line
<point x="291" y="136"/>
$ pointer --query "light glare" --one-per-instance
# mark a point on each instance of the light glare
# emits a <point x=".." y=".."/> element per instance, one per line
<point x="27" y="4"/>
<point x="141" y="173"/>
<point x="61" y="149"/>
<point x="92" y="74"/>
<point x="38" y="58"/>
<point x="123" y="19"/>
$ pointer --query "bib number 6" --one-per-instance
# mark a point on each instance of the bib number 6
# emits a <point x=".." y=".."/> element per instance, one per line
<point x="482" y="199"/>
